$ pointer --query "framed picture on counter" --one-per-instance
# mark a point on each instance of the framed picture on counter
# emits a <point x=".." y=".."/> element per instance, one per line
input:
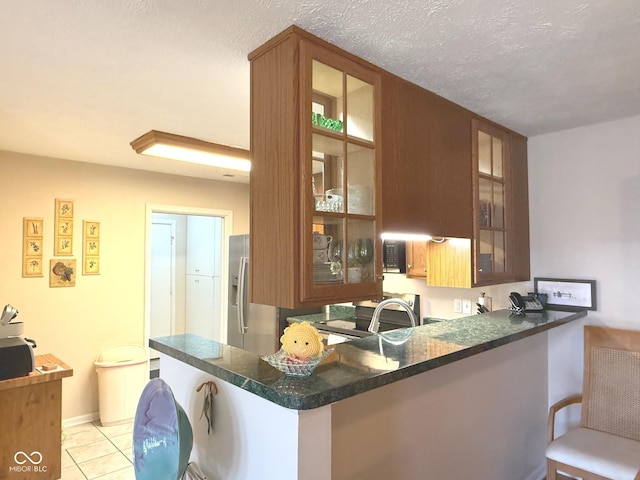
<point x="567" y="294"/>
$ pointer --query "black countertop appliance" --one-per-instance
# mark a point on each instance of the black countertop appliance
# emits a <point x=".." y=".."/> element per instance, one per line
<point x="16" y="358"/>
<point x="16" y="353"/>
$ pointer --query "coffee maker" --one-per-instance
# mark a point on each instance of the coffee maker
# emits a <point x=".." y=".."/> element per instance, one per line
<point x="16" y="353"/>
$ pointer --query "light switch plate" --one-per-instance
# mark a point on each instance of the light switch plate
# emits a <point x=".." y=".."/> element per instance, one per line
<point x="457" y="305"/>
<point x="466" y="306"/>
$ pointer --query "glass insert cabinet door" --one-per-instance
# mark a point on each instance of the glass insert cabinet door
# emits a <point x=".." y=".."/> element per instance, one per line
<point x="341" y="240"/>
<point x="491" y="159"/>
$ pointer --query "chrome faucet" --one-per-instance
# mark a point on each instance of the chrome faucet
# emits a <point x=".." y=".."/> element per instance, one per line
<point x="375" y="318"/>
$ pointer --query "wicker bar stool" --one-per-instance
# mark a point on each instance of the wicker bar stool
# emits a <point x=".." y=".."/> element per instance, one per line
<point x="606" y="445"/>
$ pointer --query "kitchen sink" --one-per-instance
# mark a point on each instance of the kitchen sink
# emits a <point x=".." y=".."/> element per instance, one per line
<point x="338" y="331"/>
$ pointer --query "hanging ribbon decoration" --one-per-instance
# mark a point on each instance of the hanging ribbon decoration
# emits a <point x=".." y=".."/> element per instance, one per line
<point x="210" y="389"/>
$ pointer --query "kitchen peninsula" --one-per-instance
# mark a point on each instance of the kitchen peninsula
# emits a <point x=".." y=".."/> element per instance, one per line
<point x="439" y="400"/>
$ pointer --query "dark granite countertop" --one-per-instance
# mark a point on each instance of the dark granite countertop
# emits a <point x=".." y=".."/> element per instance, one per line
<point x="365" y="363"/>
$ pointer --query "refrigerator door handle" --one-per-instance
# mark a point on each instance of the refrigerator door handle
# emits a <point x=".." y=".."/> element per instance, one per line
<point x="242" y="293"/>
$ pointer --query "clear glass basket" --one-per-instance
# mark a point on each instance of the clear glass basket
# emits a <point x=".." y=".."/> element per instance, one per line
<point x="292" y="366"/>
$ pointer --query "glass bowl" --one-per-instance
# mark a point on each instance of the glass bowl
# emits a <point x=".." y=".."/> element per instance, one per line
<point x="294" y="367"/>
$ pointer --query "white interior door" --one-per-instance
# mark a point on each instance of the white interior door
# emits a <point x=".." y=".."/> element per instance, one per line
<point x="166" y="280"/>
<point x="203" y="306"/>
<point x="162" y="305"/>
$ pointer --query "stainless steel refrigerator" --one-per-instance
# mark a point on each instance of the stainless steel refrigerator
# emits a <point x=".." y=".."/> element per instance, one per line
<point x="250" y="326"/>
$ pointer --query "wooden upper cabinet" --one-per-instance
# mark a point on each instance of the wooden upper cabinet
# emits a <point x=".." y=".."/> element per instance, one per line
<point x="500" y="213"/>
<point x="315" y="179"/>
<point x="449" y="263"/>
<point x="343" y="151"/>
<point x="520" y="263"/>
<point x="426" y="162"/>
<point x="417" y="259"/>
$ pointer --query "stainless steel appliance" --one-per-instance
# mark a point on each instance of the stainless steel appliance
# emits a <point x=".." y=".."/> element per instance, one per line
<point x="251" y="326"/>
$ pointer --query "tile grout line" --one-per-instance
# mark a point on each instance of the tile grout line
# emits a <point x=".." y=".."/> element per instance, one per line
<point x="67" y="437"/>
<point x="101" y="456"/>
<point x="117" y="448"/>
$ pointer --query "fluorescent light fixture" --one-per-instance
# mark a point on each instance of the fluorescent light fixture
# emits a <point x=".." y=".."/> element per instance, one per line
<point x="414" y="237"/>
<point x="187" y="149"/>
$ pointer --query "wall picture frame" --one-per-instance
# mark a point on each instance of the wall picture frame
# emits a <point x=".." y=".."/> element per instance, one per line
<point x="569" y="295"/>
<point x="32" y="267"/>
<point x="33" y="227"/>
<point x="90" y="247"/>
<point x="64" y="208"/>
<point x="62" y="272"/>
<point x="32" y="247"/>
<point x="91" y="229"/>
<point x="91" y="266"/>
<point x="63" y="228"/>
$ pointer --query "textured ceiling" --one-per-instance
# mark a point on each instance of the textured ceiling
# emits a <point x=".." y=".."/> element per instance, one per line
<point x="80" y="79"/>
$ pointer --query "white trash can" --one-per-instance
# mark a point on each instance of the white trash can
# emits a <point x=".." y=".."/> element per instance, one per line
<point x="122" y="375"/>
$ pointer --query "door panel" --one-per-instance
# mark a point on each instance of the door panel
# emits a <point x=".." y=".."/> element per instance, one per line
<point x="162" y="308"/>
<point x="203" y="301"/>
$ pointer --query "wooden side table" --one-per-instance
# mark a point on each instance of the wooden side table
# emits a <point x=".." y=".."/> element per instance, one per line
<point x="31" y="422"/>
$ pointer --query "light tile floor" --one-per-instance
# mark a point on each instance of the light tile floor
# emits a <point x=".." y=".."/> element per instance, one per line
<point x="92" y="451"/>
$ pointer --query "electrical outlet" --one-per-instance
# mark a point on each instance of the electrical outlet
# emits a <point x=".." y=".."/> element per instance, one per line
<point x="457" y="305"/>
<point x="466" y="306"/>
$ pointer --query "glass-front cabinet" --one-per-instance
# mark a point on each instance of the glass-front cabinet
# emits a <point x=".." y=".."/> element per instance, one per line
<point x="336" y="177"/>
<point x="491" y="203"/>
<point x="340" y="177"/>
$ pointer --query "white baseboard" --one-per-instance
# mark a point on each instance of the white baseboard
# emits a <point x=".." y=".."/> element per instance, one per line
<point x="539" y="473"/>
<point x="73" y="421"/>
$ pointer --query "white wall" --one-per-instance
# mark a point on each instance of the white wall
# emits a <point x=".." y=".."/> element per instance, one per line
<point x="438" y="301"/>
<point x="584" y="196"/>
<point x="77" y="323"/>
